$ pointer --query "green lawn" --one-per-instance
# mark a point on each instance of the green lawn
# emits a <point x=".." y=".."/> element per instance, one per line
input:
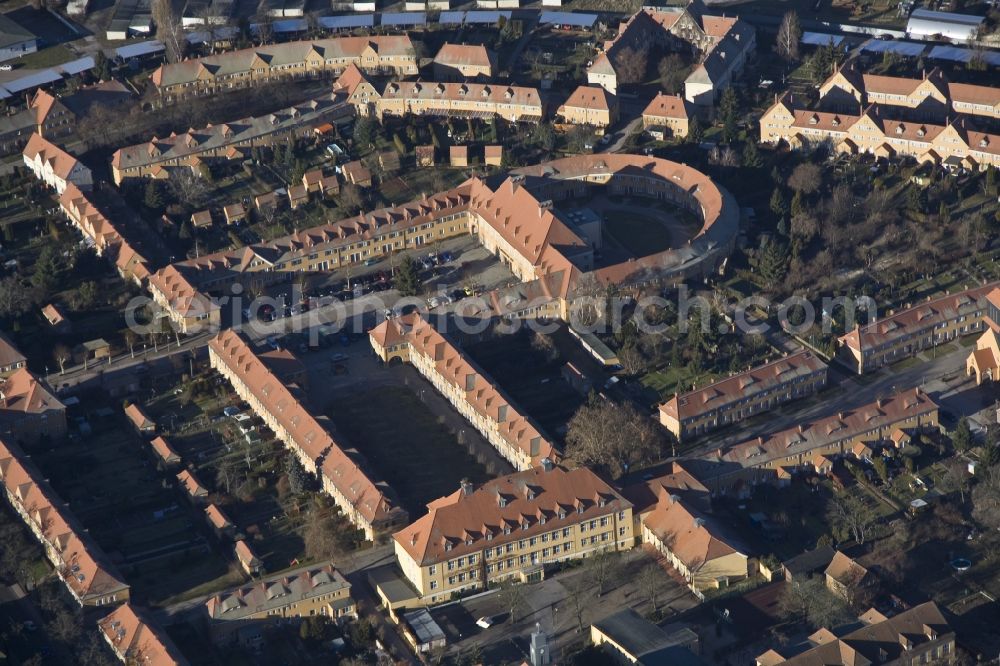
<point x="405" y="444"/>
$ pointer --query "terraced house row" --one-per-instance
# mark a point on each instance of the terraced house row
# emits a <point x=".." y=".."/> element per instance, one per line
<point x="445" y="99"/>
<point x="229" y="141"/>
<point x="247" y="68"/>
<point x="368" y="504"/>
<point x="412" y="339"/>
<point x="909" y="331"/>
<point x="932" y="96"/>
<point x="955" y="143"/>
<point x="743" y="395"/>
<point x="79" y="562"/>
<point x="812" y="446"/>
<point x="240" y="615"/>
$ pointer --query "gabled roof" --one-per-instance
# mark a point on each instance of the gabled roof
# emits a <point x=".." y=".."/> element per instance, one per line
<point x="759" y="380"/>
<point x="136" y="641"/>
<point x="290" y="587"/>
<point x="40" y="149"/>
<point x="459" y="55"/>
<point x="84" y="567"/>
<point x="529" y="503"/>
<point x="370" y="499"/>
<point x="691" y="536"/>
<point x="593" y="98"/>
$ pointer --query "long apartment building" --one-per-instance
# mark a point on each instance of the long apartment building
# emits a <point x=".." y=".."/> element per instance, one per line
<point x="78" y="561"/>
<point x="510" y="528"/>
<point x="102" y="234"/>
<point x="234" y="140"/>
<point x="776" y="457"/>
<point x="743" y="395"/>
<point x="241" y="615"/>
<point x="930" y="96"/>
<point x="307" y="59"/>
<point x="472" y="392"/>
<point x="368" y="504"/>
<point x="445" y="99"/>
<point x="516" y="221"/>
<point x="909" y="331"/>
<point x="135" y="640"/>
<point x="725" y="44"/>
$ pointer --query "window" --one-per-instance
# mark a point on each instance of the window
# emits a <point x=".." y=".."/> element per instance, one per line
<point x="434" y="585"/>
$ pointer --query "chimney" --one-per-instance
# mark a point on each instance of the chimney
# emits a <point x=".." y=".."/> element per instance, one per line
<point x="547" y="464"/>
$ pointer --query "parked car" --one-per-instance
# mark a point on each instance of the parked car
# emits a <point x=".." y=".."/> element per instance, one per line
<point x="231" y="411"/>
<point x="484" y="622"/>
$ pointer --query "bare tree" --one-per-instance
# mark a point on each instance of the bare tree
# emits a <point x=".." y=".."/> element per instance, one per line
<point x="168" y="29"/>
<point x="351" y="198"/>
<point x="511" y="596"/>
<point x="805" y="178"/>
<point x="612" y="435"/>
<point x="630" y="64"/>
<point x="672" y="71"/>
<point x="602" y="566"/>
<point x="578" y="594"/>
<point x="650" y="578"/>
<point x="188" y="187"/>
<point x="986" y="496"/>
<point x="848" y="511"/>
<point x="811" y="602"/>
<point x="62" y="354"/>
<point x="789" y="35"/>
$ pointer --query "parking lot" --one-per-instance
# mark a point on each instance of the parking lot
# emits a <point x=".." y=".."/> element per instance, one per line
<point x="551" y="605"/>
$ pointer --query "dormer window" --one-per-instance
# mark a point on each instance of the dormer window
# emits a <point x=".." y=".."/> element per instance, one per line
<point x="562" y="515"/>
<point x="814" y="119"/>
<point x="602" y="502"/>
<point x="542" y="520"/>
<point x="984" y="142"/>
<point x="489" y="536"/>
<point x="506" y="530"/>
<point x="524" y="525"/>
<point x="921" y="131"/>
<point x="447" y="546"/>
<point x="468" y="542"/>
<point x="836" y="121"/>
<point x="579" y="509"/>
<point x="899" y="129"/>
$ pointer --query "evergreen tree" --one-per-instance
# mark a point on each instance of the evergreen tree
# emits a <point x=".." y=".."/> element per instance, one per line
<point x="152" y="199"/>
<point x="408" y="277"/>
<point x="364" y="132"/>
<point x="728" y="114"/>
<point x="771" y="262"/>
<point x="962" y="435"/>
<point x="48" y="269"/>
<point x="778" y="204"/>
<point x="798" y="203"/>
<point x="751" y="156"/>
<point x="102" y="67"/>
<point x="695" y="132"/>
